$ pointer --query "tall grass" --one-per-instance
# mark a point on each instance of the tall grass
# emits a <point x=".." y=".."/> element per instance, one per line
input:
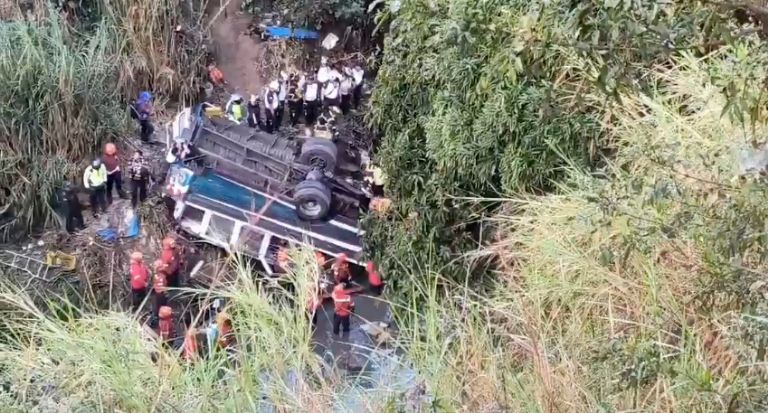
<point x="60" y="101"/>
<point x="97" y="360"/>
<point x="65" y="88"/>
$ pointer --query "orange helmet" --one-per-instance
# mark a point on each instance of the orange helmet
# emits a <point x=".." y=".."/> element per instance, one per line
<point x="159" y="264"/>
<point x="165" y="312"/>
<point x="341" y="258"/>
<point x="110" y="149"/>
<point x="136" y="256"/>
<point x="169" y="242"/>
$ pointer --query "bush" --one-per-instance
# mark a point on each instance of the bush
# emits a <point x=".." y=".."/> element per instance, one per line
<point x="487" y="99"/>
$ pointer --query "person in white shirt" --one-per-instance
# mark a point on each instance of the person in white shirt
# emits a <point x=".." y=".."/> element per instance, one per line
<point x="270" y="105"/>
<point x="311" y="93"/>
<point x="357" y="77"/>
<point x="282" y="92"/>
<point x="334" y="74"/>
<point x="324" y="73"/>
<point x="331" y="93"/>
<point x="345" y="89"/>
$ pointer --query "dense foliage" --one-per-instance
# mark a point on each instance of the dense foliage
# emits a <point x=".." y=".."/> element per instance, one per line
<point x="317" y="13"/>
<point x="478" y="99"/>
<point x="66" y="78"/>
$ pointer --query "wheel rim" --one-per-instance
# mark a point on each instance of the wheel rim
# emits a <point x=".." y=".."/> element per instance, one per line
<point x="310" y="208"/>
<point x="317" y="162"/>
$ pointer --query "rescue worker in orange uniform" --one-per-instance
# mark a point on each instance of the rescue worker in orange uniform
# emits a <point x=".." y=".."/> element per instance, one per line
<point x="171" y="257"/>
<point x="139" y="280"/>
<point x="283" y="259"/>
<point x="341" y="272"/>
<point x="321" y="260"/>
<point x="374" y="279"/>
<point x="159" y="287"/>
<point x="314" y="304"/>
<point x="190" y="349"/>
<point x="343" y="308"/>
<point x="165" y="327"/>
<point x="226" y="340"/>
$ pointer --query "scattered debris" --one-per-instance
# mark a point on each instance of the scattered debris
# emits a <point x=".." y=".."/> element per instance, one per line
<point x="330" y="41"/>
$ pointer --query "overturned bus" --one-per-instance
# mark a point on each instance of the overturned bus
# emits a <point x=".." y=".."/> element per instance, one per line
<point x="251" y="192"/>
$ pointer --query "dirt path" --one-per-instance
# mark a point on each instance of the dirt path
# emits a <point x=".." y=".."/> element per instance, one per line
<point x="238" y="55"/>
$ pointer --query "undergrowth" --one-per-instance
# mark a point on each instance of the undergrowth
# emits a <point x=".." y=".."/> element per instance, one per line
<point x="65" y="85"/>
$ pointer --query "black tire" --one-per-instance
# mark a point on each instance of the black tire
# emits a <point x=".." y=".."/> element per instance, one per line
<point x="313" y="200"/>
<point x="318" y="152"/>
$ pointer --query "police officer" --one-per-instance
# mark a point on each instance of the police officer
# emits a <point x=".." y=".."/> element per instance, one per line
<point x="282" y="93"/>
<point x="254" y="112"/>
<point x="271" y="106"/>
<point x="326" y="123"/>
<point x="311" y="93"/>
<point x="294" y="98"/>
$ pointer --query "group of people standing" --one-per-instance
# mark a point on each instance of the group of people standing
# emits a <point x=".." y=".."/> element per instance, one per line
<point x="343" y="290"/>
<point x="317" y="97"/>
<point x="104" y="177"/>
<point x="167" y="270"/>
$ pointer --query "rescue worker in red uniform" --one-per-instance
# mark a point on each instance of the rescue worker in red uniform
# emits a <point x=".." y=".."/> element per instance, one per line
<point x="374" y="279"/>
<point x="165" y="326"/>
<point x="283" y="258"/>
<point x="341" y="272"/>
<point x="314" y="304"/>
<point x="139" y="280"/>
<point x="159" y="287"/>
<point x="171" y="257"/>
<point x="343" y="308"/>
<point x="190" y="349"/>
<point x="321" y="260"/>
<point x="226" y="339"/>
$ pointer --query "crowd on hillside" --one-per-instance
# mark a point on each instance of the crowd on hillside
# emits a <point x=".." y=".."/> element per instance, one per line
<point x="318" y="98"/>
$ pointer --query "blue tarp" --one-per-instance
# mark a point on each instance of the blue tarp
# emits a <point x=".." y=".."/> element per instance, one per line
<point x="279" y="32"/>
<point x="107" y="234"/>
<point x="134" y="227"/>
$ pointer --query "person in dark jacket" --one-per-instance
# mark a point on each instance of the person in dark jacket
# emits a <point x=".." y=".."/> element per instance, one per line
<point x="70" y="207"/>
<point x="138" y="172"/>
<point x="294" y="98"/>
<point x="141" y="109"/>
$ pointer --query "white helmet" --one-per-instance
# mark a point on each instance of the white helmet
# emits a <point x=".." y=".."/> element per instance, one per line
<point x="274" y="85"/>
<point x="235" y="97"/>
<point x="323" y="60"/>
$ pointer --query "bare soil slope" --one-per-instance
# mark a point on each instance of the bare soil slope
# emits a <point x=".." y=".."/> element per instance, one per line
<point x="239" y="56"/>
